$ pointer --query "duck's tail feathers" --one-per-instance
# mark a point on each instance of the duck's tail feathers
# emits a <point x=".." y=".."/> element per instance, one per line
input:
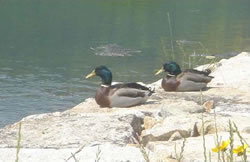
<point x="151" y="91"/>
<point x="207" y="71"/>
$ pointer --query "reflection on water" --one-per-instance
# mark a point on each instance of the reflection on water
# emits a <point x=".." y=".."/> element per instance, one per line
<point x="47" y="47"/>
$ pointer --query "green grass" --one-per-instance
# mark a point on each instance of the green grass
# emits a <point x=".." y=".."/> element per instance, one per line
<point x="98" y="154"/>
<point x="73" y="155"/>
<point x="216" y="133"/>
<point x="179" y="156"/>
<point x="142" y="148"/>
<point x="243" y="141"/>
<point x="171" y="35"/>
<point x="18" y="142"/>
<point x="203" y="129"/>
<point x="231" y="132"/>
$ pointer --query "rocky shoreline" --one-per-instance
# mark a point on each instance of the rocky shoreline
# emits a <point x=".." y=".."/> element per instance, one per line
<point x="91" y="133"/>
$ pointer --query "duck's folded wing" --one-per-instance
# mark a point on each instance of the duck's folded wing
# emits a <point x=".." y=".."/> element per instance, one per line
<point x="196" y="77"/>
<point x="131" y="85"/>
<point x="205" y="72"/>
<point x="125" y="97"/>
<point x="130" y="92"/>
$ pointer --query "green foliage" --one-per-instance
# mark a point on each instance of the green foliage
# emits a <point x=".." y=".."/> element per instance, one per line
<point x="203" y="130"/>
<point x="180" y="156"/>
<point x="18" y="142"/>
<point x="98" y="153"/>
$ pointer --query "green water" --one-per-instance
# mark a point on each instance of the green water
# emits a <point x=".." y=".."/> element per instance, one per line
<point x="47" y="46"/>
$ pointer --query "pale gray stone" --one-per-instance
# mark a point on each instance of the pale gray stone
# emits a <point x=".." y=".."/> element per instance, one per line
<point x="69" y="131"/>
<point x="105" y="153"/>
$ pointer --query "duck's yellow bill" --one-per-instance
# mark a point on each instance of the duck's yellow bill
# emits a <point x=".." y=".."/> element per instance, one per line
<point x="159" y="71"/>
<point x="91" y="74"/>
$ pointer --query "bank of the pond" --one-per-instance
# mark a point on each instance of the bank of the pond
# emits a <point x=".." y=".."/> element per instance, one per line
<point x="167" y="118"/>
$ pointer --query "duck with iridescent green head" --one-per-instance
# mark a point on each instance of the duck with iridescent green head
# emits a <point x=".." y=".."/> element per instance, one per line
<point x="118" y="95"/>
<point x="187" y="80"/>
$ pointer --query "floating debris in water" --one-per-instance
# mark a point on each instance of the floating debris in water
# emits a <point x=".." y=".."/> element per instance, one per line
<point x="213" y="56"/>
<point x="113" y="50"/>
<point x="198" y="55"/>
<point x="210" y="57"/>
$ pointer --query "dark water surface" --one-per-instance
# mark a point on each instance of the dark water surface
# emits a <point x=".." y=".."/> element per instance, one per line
<point x="47" y="46"/>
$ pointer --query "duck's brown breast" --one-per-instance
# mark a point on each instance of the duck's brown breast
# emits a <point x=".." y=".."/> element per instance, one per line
<point x="102" y="97"/>
<point x="170" y="83"/>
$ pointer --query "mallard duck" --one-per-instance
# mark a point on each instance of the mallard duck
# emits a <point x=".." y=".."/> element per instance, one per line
<point x="187" y="80"/>
<point x="118" y="95"/>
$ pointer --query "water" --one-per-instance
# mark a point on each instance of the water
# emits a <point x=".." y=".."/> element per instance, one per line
<point x="48" y="46"/>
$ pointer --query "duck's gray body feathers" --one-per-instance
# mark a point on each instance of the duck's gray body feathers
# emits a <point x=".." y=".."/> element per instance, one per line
<point x="122" y="95"/>
<point x="186" y="81"/>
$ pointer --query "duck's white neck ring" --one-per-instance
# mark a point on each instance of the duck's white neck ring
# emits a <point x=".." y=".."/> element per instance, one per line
<point x="170" y="75"/>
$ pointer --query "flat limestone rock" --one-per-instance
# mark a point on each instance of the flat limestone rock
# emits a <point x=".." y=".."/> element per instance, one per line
<point x="72" y="130"/>
<point x="104" y="152"/>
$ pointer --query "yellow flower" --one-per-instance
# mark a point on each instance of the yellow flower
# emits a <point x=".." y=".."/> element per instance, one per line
<point x="240" y="149"/>
<point x="216" y="149"/>
<point x="222" y="147"/>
